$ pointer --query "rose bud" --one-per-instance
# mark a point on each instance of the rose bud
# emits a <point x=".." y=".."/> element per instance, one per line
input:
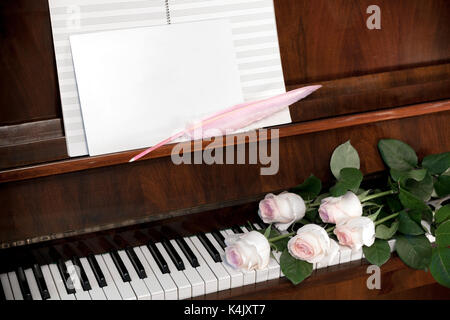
<point x="283" y="209"/>
<point x="336" y="210"/>
<point x="356" y="232"/>
<point x="312" y="244"/>
<point x="247" y="251"/>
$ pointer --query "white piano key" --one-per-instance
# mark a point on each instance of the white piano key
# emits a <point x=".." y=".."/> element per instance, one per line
<point x="59" y="283"/>
<point x="96" y="292"/>
<point x="73" y="271"/>
<point x="197" y="283"/>
<point x="321" y="264"/>
<point x="152" y="283"/>
<point x="392" y="244"/>
<point x="277" y="255"/>
<point x="51" y="287"/>
<point x="183" y="285"/>
<point x="345" y="254"/>
<point x="32" y="284"/>
<point x="203" y="269"/>
<point x="124" y="288"/>
<point x="262" y="274"/>
<point x="249" y="276"/>
<point x="274" y="266"/>
<point x="15" y="286"/>
<point x="165" y="280"/>
<point x="6" y="286"/>
<point x="110" y="290"/>
<point x="237" y="276"/>
<point x="335" y="260"/>
<point x="356" y="255"/>
<point x="224" y="279"/>
<point x="138" y="285"/>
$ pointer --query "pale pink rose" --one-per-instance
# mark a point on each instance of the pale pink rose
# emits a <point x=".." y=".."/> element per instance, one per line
<point x="312" y="244"/>
<point x="356" y="232"/>
<point x="338" y="209"/>
<point x="247" y="251"/>
<point x="282" y="210"/>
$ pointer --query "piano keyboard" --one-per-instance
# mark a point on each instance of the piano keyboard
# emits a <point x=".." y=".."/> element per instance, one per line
<point x="177" y="269"/>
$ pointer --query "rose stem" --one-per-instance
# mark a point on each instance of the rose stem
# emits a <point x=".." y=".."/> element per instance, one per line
<point x="386" y="218"/>
<point x="377" y="195"/>
<point x="281" y="237"/>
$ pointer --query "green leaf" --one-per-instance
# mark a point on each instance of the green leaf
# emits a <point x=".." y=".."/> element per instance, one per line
<point x="442" y="185"/>
<point x="397" y="154"/>
<point x="442" y="214"/>
<point x="312" y="215"/>
<point x="418" y="174"/>
<point x="378" y="253"/>
<point x="344" y="156"/>
<point x="295" y="270"/>
<point x="384" y="232"/>
<point x="437" y="163"/>
<point x="267" y="232"/>
<point x="443" y="234"/>
<point x="280" y="245"/>
<point x="421" y="189"/>
<point x="350" y="179"/>
<point x="309" y="189"/>
<point x="440" y="266"/>
<point x="410" y="201"/>
<point x="415" y="251"/>
<point x="408" y="226"/>
<point x="374" y="216"/>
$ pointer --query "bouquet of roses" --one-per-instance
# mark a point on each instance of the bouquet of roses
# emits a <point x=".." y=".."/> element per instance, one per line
<point x="307" y="227"/>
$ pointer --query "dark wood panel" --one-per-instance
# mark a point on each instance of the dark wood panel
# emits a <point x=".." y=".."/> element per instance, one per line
<point x="347" y="281"/>
<point x="28" y="82"/>
<point x="285" y="131"/>
<point x="374" y="92"/>
<point x="31" y="143"/>
<point x="156" y="188"/>
<point x="328" y="39"/>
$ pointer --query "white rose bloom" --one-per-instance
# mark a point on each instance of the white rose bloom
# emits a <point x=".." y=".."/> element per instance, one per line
<point x="338" y="209"/>
<point x="247" y="251"/>
<point x="283" y="209"/>
<point x="356" y="232"/>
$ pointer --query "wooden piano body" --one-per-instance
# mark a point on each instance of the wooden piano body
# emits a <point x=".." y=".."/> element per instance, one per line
<point x="387" y="83"/>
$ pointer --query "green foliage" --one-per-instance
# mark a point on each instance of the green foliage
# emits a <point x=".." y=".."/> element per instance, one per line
<point x="442" y="185"/>
<point x="384" y="232"/>
<point x="295" y="270"/>
<point x="344" y="156"/>
<point x="378" y="253"/>
<point x="443" y="234"/>
<point x="440" y="266"/>
<point x="408" y="225"/>
<point x="309" y="189"/>
<point x="442" y="214"/>
<point x="397" y="154"/>
<point x="415" y="251"/>
<point x="437" y="163"/>
<point x="350" y="179"/>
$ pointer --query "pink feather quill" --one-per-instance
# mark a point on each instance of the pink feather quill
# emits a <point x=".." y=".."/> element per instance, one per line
<point x="238" y="116"/>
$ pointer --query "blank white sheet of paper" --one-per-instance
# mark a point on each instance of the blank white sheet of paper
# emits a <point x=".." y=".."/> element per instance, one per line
<point x="139" y="86"/>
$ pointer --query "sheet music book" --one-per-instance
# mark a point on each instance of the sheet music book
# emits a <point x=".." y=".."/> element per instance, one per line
<point x="253" y="30"/>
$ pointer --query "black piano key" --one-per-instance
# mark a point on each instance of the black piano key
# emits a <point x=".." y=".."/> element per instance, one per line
<point x="42" y="286"/>
<point x="23" y="284"/>
<point x="209" y="247"/>
<point x="236" y="229"/>
<point x="187" y="252"/>
<point x="83" y="277"/>
<point x="120" y="266"/>
<point x="173" y="254"/>
<point x="262" y="225"/>
<point x="98" y="273"/>
<point x="219" y="238"/>
<point x="162" y="264"/>
<point x="136" y="263"/>
<point x="68" y="283"/>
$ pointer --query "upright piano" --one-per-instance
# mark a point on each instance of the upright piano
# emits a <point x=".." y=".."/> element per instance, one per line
<point x="154" y="230"/>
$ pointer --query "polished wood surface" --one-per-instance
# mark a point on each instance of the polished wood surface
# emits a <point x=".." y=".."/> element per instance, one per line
<point x="84" y="163"/>
<point x="152" y="189"/>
